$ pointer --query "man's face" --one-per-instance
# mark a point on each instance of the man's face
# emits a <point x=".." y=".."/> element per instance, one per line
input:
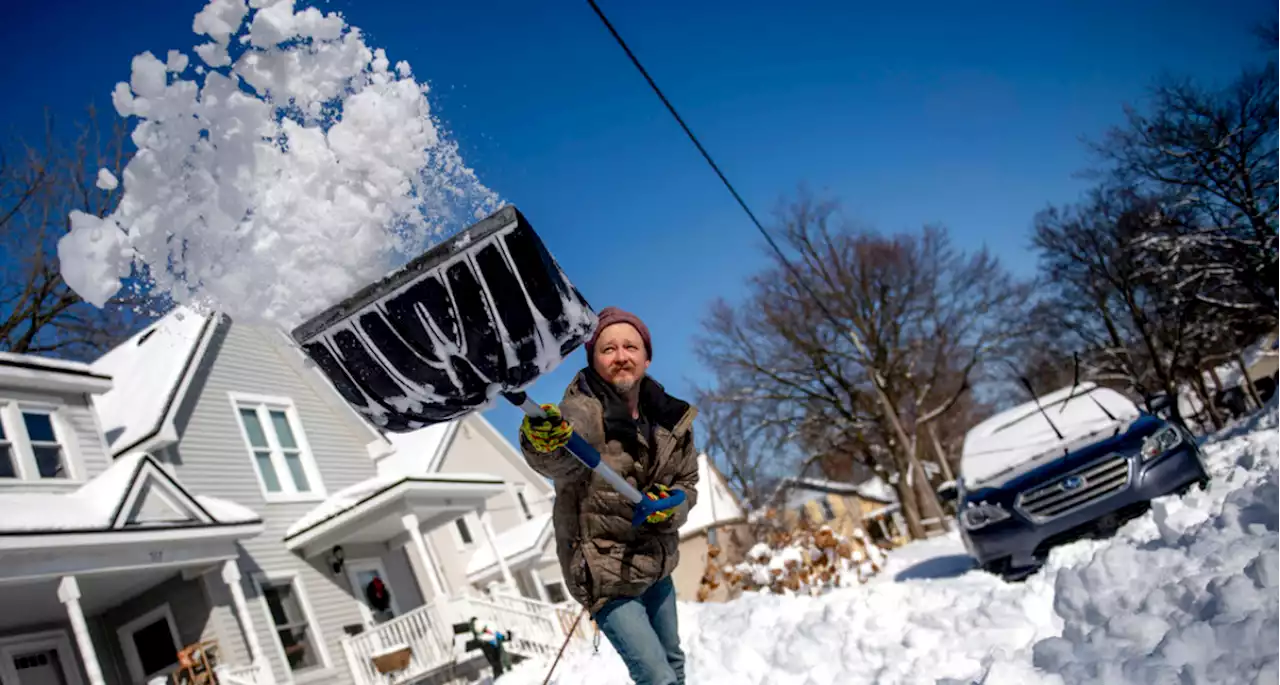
<point x="620" y="357"/>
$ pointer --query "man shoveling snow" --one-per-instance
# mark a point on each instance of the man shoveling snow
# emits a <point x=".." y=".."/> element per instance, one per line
<point x="621" y="574"/>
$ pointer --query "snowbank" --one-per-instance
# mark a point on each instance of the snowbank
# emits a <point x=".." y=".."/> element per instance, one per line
<point x="1185" y="594"/>
<point x="293" y="167"/>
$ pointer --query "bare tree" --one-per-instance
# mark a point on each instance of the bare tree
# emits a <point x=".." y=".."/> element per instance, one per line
<point x="40" y="184"/>
<point x="1214" y="154"/>
<point x="1098" y="289"/>
<point x="745" y="440"/>
<point x="915" y="322"/>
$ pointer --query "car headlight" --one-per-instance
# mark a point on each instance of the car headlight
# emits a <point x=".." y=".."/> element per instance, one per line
<point x="979" y="516"/>
<point x="1160" y="442"/>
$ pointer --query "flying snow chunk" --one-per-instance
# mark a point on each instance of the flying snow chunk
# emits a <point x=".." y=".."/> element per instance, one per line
<point x="176" y="62"/>
<point x="107" y="180"/>
<point x="92" y="256"/>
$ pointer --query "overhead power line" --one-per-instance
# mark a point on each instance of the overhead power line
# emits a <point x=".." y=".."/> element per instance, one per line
<point x="716" y="168"/>
<point x="876" y="381"/>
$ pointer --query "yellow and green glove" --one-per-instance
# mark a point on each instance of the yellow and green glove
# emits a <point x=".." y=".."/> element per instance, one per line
<point x="658" y="492"/>
<point x="549" y="434"/>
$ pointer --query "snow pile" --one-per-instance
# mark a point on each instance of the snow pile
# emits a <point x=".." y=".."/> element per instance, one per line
<point x="1185" y="594"/>
<point x="293" y="167"/>
<point x="1190" y="594"/>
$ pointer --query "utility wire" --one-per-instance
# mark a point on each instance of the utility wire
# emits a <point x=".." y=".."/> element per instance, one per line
<point x="876" y="381"/>
<point x="716" y="168"/>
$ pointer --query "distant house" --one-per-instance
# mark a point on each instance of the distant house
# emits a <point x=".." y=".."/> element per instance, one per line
<point x="202" y="484"/>
<point x="871" y="505"/>
<point x="718" y="519"/>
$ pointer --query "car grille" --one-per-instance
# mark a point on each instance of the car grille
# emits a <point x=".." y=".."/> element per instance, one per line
<point x="1096" y="481"/>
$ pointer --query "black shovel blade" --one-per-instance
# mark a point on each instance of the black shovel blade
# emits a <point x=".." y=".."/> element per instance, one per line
<point x="483" y="313"/>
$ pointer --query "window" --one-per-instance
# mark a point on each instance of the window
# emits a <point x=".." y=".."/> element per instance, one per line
<point x="7" y="467"/>
<point x="33" y="442"/>
<point x="463" y="532"/>
<point x="150" y="643"/>
<point x="273" y="434"/>
<point x="555" y="593"/>
<point x="294" y="633"/>
<point x="524" y="504"/>
<point x="44" y="444"/>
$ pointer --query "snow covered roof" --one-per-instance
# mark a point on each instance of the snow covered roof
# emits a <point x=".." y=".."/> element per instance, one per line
<point x="32" y="371"/>
<point x="349" y="497"/>
<point x="526" y="540"/>
<point x="148" y="374"/>
<point x="798" y="491"/>
<point x="1018" y="436"/>
<point x="419" y="451"/>
<point x="717" y="504"/>
<point x="1260" y="359"/>
<point x="134" y="492"/>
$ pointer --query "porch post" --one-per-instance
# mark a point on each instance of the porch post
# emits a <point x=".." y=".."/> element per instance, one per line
<point x="539" y="585"/>
<point x="69" y="595"/>
<point x="492" y="539"/>
<point x="413" y="526"/>
<point x="231" y="576"/>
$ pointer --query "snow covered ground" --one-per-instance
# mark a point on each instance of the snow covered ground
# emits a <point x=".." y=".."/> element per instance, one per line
<point x="1185" y="594"/>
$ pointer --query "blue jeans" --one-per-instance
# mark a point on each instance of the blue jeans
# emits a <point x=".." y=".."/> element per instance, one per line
<point x="644" y="632"/>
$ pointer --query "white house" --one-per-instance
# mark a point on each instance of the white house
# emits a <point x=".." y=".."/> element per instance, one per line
<point x="202" y="483"/>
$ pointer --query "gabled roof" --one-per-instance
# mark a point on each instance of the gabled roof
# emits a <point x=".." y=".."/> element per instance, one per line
<point x="134" y="493"/>
<point x="717" y="504"/>
<point x="425" y="450"/>
<point x="426" y="446"/>
<point x="150" y="372"/>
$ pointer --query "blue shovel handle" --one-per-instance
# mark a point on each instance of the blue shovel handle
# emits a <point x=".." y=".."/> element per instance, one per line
<point x="590" y="457"/>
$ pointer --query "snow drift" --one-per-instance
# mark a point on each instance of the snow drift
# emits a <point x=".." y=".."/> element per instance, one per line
<point x="1185" y="594"/>
<point x="292" y="167"/>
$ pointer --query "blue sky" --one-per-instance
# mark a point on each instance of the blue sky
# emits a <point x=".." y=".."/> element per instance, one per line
<point x="908" y="112"/>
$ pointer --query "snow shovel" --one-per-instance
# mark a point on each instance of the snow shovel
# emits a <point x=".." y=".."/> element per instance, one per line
<point x="480" y="315"/>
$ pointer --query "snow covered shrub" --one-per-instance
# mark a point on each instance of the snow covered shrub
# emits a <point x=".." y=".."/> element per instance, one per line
<point x="802" y="561"/>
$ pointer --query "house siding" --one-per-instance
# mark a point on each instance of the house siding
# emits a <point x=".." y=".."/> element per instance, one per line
<point x="211" y="458"/>
<point x="476" y="448"/>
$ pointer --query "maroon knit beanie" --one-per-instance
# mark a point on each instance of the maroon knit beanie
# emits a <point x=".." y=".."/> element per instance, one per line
<point x="611" y="315"/>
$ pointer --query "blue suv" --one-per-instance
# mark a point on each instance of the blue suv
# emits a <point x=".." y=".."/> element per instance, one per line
<point x="1077" y="462"/>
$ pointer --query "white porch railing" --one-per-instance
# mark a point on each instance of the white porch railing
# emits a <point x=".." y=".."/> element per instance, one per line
<point x="533" y="624"/>
<point x="422" y="630"/>
<point x="428" y="632"/>
<point x="242" y="675"/>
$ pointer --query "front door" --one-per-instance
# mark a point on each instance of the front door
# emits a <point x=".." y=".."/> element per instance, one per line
<point x="39" y="668"/>
<point x="362" y="573"/>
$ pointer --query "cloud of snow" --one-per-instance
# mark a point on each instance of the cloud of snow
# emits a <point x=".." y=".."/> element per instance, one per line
<point x="291" y="168"/>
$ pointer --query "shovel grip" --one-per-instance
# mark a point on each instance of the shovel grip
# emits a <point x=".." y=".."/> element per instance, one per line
<point x="583" y="450"/>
